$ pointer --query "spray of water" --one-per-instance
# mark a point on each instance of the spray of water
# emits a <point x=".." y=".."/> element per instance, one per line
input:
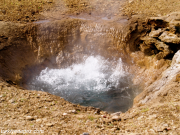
<point x="94" y="82"/>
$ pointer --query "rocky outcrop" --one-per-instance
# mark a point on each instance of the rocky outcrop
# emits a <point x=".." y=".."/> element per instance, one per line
<point x="168" y="37"/>
<point x="153" y="43"/>
<point x="55" y="44"/>
<point x="152" y="46"/>
<point x="156" y="33"/>
<point x="160" y="88"/>
<point x="159" y="45"/>
<point x="160" y="37"/>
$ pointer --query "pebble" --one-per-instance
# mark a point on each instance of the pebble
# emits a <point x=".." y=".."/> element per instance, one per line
<point x="29" y="118"/>
<point x="85" y="134"/>
<point x="151" y="130"/>
<point x="72" y="111"/>
<point x="49" y="1"/>
<point x="165" y="125"/>
<point x="139" y="118"/>
<point x="64" y="114"/>
<point x="11" y="101"/>
<point x="116" y="114"/>
<point x="158" y="129"/>
<point x="3" y="11"/>
<point x="113" y="129"/>
<point x="49" y="124"/>
<point x="116" y="118"/>
<point x="104" y="116"/>
<point x="152" y="116"/>
<point x="168" y="128"/>
<point x="45" y="119"/>
<point x="130" y="1"/>
<point x="39" y="120"/>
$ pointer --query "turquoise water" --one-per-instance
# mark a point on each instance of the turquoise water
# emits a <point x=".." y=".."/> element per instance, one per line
<point x="94" y="82"/>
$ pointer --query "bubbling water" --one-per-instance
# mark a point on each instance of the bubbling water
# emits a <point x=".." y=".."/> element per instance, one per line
<point x="95" y="82"/>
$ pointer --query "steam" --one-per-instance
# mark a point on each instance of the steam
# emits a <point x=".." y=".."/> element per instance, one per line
<point x="94" y="74"/>
<point x="86" y="10"/>
<point x="94" y="82"/>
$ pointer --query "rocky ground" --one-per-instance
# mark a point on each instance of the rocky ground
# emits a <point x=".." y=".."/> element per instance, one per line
<point x="24" y="12"/>
<point x="47" y="114"/>
<point x="151" y="7"/>
<point x="156" y="110"/>
<point x="32" y="110"/>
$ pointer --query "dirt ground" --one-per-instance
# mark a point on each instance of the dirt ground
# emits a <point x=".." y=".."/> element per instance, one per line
<point x="26" y="11"/>
<point x="42" y="112"/>
<point x="151" y="7"/>
<point x="29" y="11"/>
<point x="48" y="114"/>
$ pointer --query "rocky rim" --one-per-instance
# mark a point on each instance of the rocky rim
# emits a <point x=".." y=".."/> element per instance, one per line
<point x="152" y="42"/>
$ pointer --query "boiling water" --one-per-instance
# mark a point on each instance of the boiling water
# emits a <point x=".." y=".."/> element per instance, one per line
<point x="95" y="82"/>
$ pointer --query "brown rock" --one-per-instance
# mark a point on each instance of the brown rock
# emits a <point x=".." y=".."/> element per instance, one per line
<point x="152" y="46"/>
<point x="11" y="101"/>
<point x="156" y="33"/>
<point x="85" y="134"/>
<point x="39" y="120"/>
<point x="65" y="114"/>
<point x="116" y="118"/>
<point x="49" y="124"/>
<point x="116" y="114"/>
<point x="177" y="78"/>
<point x="49" y="1"/>
<point x="72" y="111"/>
<point x="29" y="118"/>
<point x="169" y="38"/>
<point x="104" y="116"/>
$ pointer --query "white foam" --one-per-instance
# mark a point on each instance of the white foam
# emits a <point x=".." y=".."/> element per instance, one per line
<point x="94" y="74"/>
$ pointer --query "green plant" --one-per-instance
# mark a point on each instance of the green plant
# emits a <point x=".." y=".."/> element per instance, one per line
<point x="78" y="110"/>
<point x="90" y="117"/>
<point x="145" y="109"/>
<point x="23" y="99"/>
